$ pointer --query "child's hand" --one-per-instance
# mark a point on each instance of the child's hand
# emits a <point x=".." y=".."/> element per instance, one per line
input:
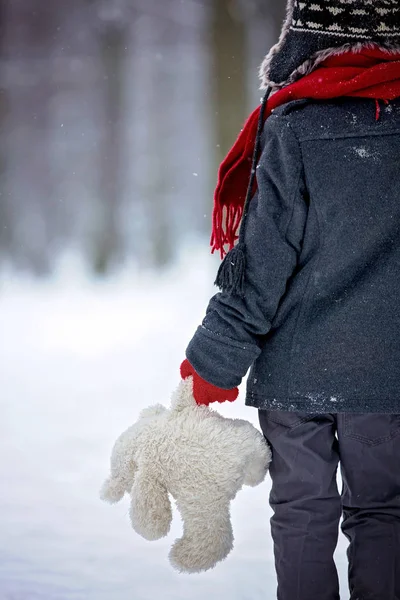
<point x="204" y="392"/>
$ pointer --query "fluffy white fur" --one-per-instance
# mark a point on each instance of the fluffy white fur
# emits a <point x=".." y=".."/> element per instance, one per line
<point x="199" y="458"/>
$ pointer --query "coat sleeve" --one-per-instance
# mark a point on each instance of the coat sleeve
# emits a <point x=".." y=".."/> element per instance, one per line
<point x="230" y="338"/>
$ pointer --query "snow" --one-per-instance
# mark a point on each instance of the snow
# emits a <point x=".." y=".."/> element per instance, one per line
<point x="79" y="360"/>
<point x="364" y="152"/>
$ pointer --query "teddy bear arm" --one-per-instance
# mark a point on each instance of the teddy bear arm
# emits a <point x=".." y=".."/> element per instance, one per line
<point x="123" y="469"/>
<point x="151" y="511"/>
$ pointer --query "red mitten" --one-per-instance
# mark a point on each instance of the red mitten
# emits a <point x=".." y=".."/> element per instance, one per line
<point x="204" y="392"/>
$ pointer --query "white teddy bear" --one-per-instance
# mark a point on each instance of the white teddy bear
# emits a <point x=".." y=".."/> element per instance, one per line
<point x="199" y="457"/>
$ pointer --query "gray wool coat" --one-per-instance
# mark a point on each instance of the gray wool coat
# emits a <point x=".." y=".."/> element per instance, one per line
<point x="320" y="321"/>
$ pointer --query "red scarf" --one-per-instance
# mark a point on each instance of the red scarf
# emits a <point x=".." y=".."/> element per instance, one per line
<point x="370" y="74"/>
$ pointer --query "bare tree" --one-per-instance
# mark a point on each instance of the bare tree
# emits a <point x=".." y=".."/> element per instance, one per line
<point x="155" y="181"/>
<point x="5" y="208"/>
<point x="229" y="82"/>
<point x="265" y="23"/>
<point x="30" y="46"/>
<point x="273" y="11"/>
<point x="113" y="33"/>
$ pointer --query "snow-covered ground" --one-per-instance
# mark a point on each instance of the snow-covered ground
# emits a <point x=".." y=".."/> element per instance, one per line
<point x="78" y="361"/>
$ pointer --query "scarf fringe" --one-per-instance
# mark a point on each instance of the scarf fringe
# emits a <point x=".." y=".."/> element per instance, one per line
<point x="226" y="223"/>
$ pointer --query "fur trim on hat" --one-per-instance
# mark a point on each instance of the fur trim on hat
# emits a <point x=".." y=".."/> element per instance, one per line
<point x="309" y="65"/>
<point x="266" y="64"/>
<point x="315" y="58"/>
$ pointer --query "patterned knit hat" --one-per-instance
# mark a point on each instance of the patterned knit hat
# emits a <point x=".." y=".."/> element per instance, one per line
<point x="317" y="29"/>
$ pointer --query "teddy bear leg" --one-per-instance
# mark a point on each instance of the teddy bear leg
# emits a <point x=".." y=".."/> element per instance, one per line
<point x="151" y="512"/>
<point x="207" y="537"/>
<point x="257" y="464"/>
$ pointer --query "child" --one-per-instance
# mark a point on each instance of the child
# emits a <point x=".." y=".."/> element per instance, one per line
<point x="310" y="294"/>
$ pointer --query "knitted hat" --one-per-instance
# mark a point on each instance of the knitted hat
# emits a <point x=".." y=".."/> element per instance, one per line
<point x="317" y="29"/>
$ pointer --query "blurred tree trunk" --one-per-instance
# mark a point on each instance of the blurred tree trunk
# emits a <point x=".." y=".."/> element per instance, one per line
<point x="229" y="79"/>
<point x="274" y="11"/>
<point x="107" y="250"/>
<point x="31" y="39"/>
<point x="156" y="182"/>
<point x="5" y="208"/>
<point x="158" y="185"/>
<point x="266" y="24"/>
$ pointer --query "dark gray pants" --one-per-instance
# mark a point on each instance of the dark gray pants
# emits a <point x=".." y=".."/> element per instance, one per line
<point x="306" y="451"/>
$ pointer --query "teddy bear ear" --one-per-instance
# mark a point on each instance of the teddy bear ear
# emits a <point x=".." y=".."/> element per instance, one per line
<point x="152" y="411"/>
<point x="183" y="395"/>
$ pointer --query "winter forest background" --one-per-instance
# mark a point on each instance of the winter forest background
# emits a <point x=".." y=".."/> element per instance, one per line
<point x="114" y="116"/>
